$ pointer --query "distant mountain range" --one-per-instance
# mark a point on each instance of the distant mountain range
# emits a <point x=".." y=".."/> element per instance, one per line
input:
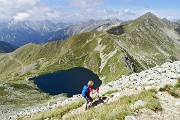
<point x="81" y="27"/>
<point x="6" y="47"/>
<point x="21" y="33"/>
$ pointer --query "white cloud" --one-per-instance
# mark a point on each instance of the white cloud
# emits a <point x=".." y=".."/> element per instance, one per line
<point x="101" y="14"/>
<point x="85" y="4"/>
<point x="21" y="16"/>
<point x="27" y="9"/>
<point x="128" y="12"/>
<point x="94" y="14"/>
<point x="20" y="10"/>
<point x="110" y="14"/>
<point x="42" y="13"/>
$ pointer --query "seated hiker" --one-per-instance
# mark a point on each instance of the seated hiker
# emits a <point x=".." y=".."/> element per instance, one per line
<point x="86" y="93"/>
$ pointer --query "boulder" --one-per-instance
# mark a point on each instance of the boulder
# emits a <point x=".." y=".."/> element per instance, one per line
<point x="177" y="104"/>
<point x="161" y="70"/>
<point x="171" y="75"/>
<point x="137" y="104"/>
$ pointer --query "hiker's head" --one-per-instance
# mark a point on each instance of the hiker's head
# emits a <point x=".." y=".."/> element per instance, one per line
<point x="90" y="83"/>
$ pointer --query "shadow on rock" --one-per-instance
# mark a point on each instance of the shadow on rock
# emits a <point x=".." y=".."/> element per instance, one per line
<point x="100" y="101"/>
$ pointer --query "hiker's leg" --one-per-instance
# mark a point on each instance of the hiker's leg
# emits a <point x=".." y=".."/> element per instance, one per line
<point x="86" y="104"/>
<point x="90" y="101"/>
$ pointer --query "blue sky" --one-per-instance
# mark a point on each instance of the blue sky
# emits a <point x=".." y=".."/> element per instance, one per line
<point x="75" y="10"/>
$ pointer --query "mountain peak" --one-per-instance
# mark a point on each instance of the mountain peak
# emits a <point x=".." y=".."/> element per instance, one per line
<point x="150" y="19"/>
<point x="115" y="19"/>
<point x="149" y="15"/>
<point x="92" y="21"/>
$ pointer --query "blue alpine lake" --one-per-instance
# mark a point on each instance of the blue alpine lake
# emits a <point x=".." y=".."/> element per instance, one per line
<point x="69" y="81"/>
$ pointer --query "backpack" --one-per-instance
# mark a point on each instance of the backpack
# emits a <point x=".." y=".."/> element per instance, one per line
<point x="85" y="91"/>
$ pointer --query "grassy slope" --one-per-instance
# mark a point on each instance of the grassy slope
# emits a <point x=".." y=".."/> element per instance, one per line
<point x="22" y="95"/>
<point x="119" y="109"/>
<point x="77" y="51"/>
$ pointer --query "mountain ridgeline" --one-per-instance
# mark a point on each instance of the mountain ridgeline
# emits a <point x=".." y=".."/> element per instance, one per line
<point x="147" y="41"/>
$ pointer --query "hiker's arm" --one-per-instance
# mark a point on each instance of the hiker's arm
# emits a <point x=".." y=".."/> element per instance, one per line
<point x="97" y="89"/>
<point x="92" y="90"/>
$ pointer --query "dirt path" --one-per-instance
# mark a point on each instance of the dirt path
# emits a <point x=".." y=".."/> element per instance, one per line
<point x="170" y="105"/>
